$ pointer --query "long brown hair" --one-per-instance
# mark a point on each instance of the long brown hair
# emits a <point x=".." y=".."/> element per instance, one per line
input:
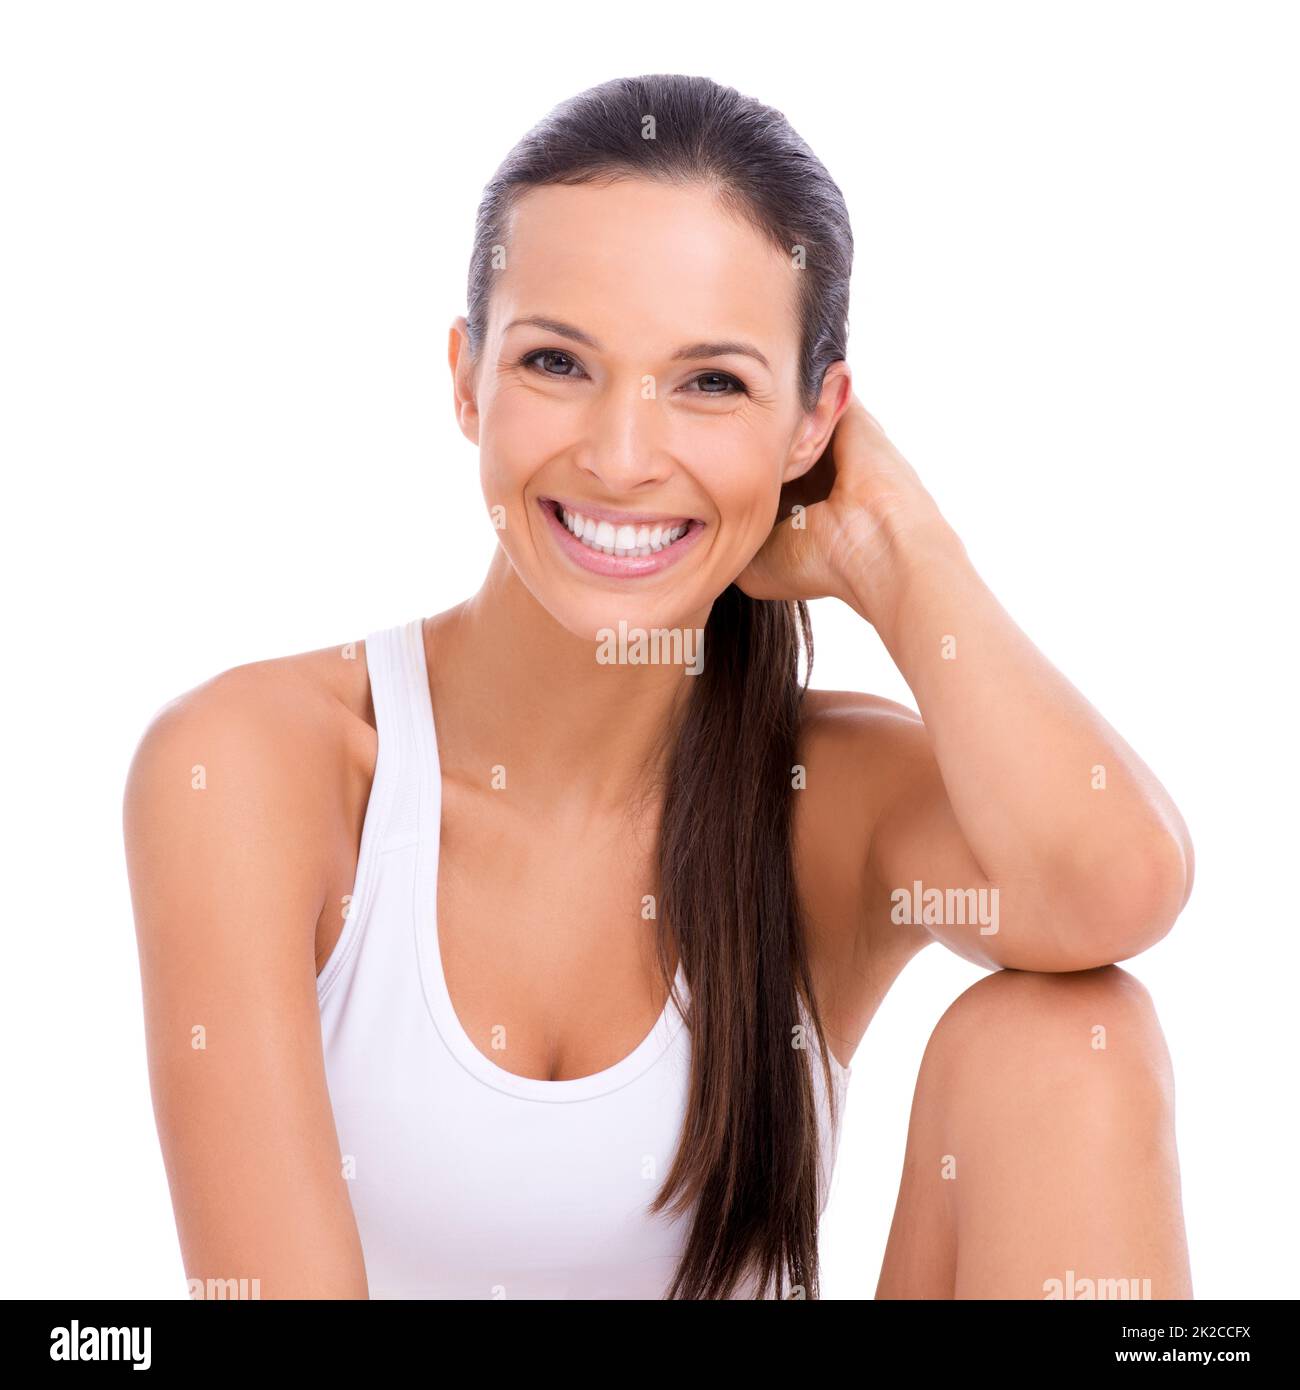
<point x="748" y="1161"/>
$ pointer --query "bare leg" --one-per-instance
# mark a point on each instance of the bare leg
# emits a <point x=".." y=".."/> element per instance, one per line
<point x="1041" y="1148"/>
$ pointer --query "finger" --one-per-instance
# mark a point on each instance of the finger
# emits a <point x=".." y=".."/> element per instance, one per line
<point x="858" y="427"/>
<point x="859" y="436"/>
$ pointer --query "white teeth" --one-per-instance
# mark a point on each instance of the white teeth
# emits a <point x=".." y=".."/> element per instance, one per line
<point x="622" y="540"/>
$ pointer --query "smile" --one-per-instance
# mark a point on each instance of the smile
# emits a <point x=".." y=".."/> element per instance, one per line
<point x="619" y="544"/>
<point x="621" y="540"/>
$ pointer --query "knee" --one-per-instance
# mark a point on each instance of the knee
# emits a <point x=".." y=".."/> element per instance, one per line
<point x="1027" y="1040"/>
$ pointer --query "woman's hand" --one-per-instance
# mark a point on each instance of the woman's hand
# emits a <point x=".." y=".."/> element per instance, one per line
<point x="847" y="523"/>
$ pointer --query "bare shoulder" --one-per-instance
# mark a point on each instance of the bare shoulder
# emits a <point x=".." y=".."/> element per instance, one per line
<point x="269" y="754"/>
<point x="300" y="696"/>
<point x="857" y="716"/>
<point x="858" y="753"/>
<point x="864" y="750"/>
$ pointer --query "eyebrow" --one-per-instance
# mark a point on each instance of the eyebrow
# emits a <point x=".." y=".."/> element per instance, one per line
<point x="691" y="352"/>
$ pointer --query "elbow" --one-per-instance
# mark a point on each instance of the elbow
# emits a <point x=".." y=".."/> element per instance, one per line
<point x="1128" y="909"/>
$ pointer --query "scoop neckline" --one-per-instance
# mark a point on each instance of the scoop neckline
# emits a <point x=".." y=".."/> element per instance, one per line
<point x="644" y="1055"/>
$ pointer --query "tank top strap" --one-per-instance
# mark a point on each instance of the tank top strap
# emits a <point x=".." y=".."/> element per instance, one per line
<point x="392" y="817"/>
<point x="399" y="688"/>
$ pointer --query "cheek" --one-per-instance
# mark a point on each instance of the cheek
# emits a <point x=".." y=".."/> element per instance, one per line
<point x="528" y="429"/>
<point x="518" y="432"/>
<point x="745" y="488"/>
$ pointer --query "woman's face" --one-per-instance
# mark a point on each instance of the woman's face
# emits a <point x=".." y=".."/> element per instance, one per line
<point x="635" y="402"/>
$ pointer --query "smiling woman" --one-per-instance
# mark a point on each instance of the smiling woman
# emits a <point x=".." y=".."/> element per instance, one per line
<point x="567" y="956"/>
<point x="615" y="389"/>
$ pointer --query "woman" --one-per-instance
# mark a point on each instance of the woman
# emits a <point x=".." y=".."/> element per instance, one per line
<point x="600" y="899"/>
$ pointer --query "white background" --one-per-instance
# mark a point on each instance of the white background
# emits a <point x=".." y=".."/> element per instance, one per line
<point x="234" y="237"/>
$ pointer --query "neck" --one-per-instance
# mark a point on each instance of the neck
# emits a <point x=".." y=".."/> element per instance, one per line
<point x="512" y="688"/>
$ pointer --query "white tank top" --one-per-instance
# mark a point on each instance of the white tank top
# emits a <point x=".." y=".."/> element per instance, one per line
<point x="466" y="1180"/>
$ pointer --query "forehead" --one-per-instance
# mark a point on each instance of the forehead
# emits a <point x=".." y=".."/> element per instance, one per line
<point x="641" y="264"/>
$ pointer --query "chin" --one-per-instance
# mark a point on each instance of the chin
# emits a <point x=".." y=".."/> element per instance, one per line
<point x="598" y="617"/>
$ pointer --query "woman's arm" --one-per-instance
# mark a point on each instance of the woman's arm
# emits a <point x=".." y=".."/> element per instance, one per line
<point x="1010" y="780"/>
<point x="223" y="824"/>
<point x="1026" y="789"/>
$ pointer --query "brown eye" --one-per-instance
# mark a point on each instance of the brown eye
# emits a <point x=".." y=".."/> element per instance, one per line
<point x="548" y="355"/>
<point x="736" y="386"/>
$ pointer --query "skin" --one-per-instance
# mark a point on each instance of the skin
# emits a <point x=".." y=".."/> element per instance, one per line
<point x="1032" y="1150"/>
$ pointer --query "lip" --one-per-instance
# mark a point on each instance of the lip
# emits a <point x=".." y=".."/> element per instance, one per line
<point x="618" y="566"/>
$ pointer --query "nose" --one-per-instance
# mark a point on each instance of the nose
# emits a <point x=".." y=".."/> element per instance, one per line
<point x="622" y="448"/>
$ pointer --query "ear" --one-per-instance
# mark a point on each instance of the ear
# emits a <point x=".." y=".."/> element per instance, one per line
<point x="819" y="424"/>
<point x="463" y="379"/>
